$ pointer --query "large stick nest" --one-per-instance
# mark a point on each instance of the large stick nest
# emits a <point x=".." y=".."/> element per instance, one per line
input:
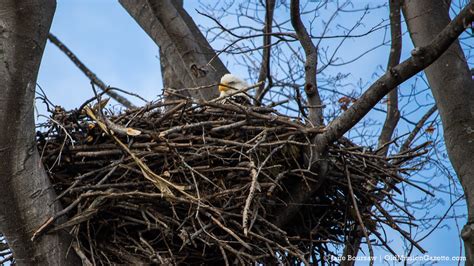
<point x="207" y="182"/>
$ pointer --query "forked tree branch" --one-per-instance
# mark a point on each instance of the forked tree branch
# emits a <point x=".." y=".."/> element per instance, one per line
<point x="393" y="114"/>
<point x="421" y="58"/>
<point x="315" y="113"/>
<point x="409" y="140"/>
<point x="267" y="41"/>
<point x="452" y="87"/>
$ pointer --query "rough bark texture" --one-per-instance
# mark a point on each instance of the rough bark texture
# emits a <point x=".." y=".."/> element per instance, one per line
<point x="170" y="79"/>
<point x="453" y="90"/>
<point x="315" y="158"/>
<point x="186" y="49"/>
<point x="171" y="82"/>
<point x="26" y="198"/>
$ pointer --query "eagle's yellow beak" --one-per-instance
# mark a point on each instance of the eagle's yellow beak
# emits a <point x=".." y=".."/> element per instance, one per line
<point x="223" y="87"/>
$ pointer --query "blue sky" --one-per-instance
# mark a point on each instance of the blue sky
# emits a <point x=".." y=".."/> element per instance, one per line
<point x="109" y="42"/>
<point x="113" y="46"/>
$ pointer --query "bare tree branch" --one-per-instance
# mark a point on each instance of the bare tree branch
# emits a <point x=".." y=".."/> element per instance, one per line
<point x="452" y="87"/>
<point x="315" y="113"/>
<point x="422" y="57"/>
<point x="93" y="77"/>
<point x="393" y="114"/>
<point x="409" y="140"/>
<point x="267" y="42"/>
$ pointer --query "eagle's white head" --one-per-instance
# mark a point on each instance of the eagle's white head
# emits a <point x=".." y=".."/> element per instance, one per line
<point x="230" y="84"/>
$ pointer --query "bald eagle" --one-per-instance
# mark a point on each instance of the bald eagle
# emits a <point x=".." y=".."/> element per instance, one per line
<point x="231" y="88"/>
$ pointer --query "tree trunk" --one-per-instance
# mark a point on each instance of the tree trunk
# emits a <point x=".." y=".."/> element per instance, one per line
<point x="189" y="55"/>
<point x="170" y="80"/>
<point x="453" y="90"/>
<point x="26" y="198"/>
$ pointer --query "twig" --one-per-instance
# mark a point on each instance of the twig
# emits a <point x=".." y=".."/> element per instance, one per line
<point x="358" y="216"/>
<point x="253" y="186"/>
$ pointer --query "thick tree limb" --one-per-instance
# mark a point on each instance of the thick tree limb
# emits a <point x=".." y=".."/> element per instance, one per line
<point x="267" y="42"/>
<point x="186" y="49"/>
<point x="393" y="114"/>
<point x="94" y="79"/>
<point x="422" y="57"/>
<point x="27" y="198"/>
<point x="315" y="113"/>
<point x="453" y="89"/>
<point x="170" y="79"/>
<point x="313" y="157"/>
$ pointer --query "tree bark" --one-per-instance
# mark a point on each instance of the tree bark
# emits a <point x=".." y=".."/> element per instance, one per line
<point x="170" y="80"/>
<point x="315" y="110"/>
<point x="453" y="90"/>
<point x="187" y="51"/>
<point x="26" y="198"/>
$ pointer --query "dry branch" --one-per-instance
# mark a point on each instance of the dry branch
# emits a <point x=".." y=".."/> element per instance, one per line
<point x="204" y="181"/>
<point x="93" y="77"/>
<point x="421" y="57"/>
<point x="393" y="114"/>
<point x="315" y="115"/>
